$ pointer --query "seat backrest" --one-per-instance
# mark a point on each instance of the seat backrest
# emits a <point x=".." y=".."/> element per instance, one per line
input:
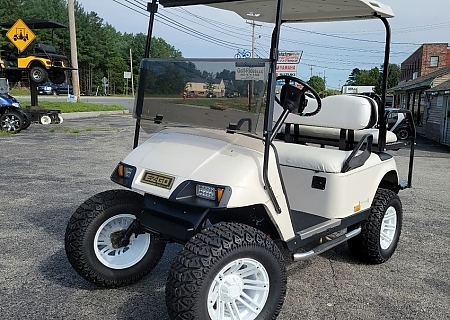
<point x="44" y="48"/>
<point x="350" y="112"/>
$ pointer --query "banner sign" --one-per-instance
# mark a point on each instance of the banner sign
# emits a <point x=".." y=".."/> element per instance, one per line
<point x="291" y="57"/>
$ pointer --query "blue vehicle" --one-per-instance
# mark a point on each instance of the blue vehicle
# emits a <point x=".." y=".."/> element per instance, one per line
<point x="12" y="117"/>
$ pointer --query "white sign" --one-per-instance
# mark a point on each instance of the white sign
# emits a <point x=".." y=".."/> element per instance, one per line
<point x="292" y="57"/>
<point x="127" y="75"/>
<point x="291" y="74"/>
<point x="250" y="71"/>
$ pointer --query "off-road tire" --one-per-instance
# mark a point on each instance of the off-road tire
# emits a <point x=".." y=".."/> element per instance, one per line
<point x="366" y="246"/>
<point x="192" y="274"/>
<point x="57" y="77"/>
<point x="81" y="231"/>
<point x="38" y="75"/>
<point x="11" y="121"/>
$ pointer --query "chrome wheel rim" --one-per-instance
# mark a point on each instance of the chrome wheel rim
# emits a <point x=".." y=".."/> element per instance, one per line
<point x="239" y="291"/>
<point x="109" y="253"/>
<point x="388" y="228"/>
<point x="10" y="123"/>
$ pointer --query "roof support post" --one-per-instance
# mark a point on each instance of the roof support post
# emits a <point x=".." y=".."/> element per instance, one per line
<point x="268" y="116"/>
<point x="381" y="117"/>
<point x="152" y="8"/>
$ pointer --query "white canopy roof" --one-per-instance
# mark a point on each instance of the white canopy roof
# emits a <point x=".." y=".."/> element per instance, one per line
<point x="307" y="10"/>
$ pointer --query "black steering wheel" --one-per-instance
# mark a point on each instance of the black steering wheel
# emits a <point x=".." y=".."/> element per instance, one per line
<point x="306" y="87"/>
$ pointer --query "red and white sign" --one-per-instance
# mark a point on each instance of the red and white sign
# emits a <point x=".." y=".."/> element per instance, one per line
<point x="286" y="67"/>
<point x="291" y="57"/>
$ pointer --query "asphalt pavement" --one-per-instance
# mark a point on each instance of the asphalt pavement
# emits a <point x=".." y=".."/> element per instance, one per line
<point x="48" y="171"/>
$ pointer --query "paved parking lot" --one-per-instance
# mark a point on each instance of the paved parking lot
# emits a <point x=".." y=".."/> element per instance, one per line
<point x="47" y="171"/>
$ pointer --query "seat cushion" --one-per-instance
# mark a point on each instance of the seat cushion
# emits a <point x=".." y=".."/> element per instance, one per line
<point x="314" y="158"/>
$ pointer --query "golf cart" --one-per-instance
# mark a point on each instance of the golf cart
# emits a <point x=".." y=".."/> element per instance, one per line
<point x="233" y="184"/>
<point x="43" y="64"/>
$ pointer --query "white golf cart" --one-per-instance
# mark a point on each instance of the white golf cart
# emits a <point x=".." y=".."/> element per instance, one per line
<point x="308" y="173"/>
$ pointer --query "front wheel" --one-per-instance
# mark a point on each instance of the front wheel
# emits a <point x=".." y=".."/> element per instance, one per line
<point x="228" y="271"/>
<point x="38" y="74"/>
<point x="11" y="121"/>
<point x="380" y="232"/>
<point x="93" y="235"/>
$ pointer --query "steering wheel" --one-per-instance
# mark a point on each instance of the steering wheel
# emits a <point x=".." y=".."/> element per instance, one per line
<point x="306" y="87"/>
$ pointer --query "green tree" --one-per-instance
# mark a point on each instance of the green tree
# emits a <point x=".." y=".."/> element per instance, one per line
<point x="394" y="72"/>
<point x="317" y="83"/>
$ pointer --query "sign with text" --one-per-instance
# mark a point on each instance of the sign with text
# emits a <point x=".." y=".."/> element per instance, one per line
<point x="286" y="68"/>
<point x="291" y="57"/>
<point x="20" y="35"/>
<point x="127" y="75"/>
<point x="250" y="71"/>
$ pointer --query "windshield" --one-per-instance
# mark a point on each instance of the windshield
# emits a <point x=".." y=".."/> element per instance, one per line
<point x="209" y="93"/>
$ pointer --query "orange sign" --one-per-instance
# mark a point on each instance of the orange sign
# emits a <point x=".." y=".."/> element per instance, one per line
<point x="20" y="35"/>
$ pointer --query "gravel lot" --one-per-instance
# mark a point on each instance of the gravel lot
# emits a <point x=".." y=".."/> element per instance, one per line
<point x="48" y="171"/>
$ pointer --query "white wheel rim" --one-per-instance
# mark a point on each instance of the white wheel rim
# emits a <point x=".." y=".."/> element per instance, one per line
<point x="239" y="291"/>
<point x="46" y="120"/>
<point x="388" y="228"/>
<point x="61" y="120"/>
<point x="122" y="257"/>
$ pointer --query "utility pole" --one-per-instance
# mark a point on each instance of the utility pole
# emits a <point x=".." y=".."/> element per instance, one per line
<point x="73" y="50"/>
<point x="311" y="68"/>
<point x="132" y="77"/>
<point x="253" y="24"/>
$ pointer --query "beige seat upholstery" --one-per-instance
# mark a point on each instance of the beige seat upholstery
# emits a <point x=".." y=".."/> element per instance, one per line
<point x="341" y="118"/>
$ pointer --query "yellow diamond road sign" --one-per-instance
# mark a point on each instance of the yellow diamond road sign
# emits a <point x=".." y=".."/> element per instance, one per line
<point x="20" y="35"/>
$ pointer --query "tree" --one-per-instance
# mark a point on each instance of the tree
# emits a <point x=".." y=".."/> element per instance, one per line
<point x="393" y="77"/>
<point x="317" y="83"/>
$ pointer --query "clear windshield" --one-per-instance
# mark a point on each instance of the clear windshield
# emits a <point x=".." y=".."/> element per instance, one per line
<point x="209" y="93"/>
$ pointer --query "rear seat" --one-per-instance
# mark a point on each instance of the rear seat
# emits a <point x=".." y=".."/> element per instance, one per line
<point x="337" y="113"/>
<point x="349" y="120"/>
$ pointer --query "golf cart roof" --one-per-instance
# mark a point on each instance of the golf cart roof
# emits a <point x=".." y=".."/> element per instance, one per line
<point x="296" y="10"/>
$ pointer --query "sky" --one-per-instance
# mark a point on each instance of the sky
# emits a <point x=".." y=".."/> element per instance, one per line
<point x="330" y="50"/>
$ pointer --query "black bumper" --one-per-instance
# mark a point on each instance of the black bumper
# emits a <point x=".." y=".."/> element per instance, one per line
<point x="171" y="220"/>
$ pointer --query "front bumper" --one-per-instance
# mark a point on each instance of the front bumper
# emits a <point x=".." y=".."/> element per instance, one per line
<point x="171" y="220"/>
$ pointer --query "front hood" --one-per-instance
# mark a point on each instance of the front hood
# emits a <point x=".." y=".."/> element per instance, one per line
<point x="188" y="156"/>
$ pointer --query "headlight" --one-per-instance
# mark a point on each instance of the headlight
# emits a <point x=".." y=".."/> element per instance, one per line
<point x="208" y="192"/>
<point x="124" y="171"/>
<point x="48" y="89"/>
<point x="123" y="175"/>
<point x="15" y="104"/>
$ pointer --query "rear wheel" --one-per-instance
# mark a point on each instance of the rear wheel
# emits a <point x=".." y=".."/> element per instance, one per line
<point x="26" y="121"/>
<point x="93" y="236"/>
<point x="11" y="121"/>
<point x="380" y="231"/>
<point x="228" y="271"/>
<point x="57" y="77"/>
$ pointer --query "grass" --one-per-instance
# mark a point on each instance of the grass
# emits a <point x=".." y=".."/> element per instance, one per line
<point x="68" y="107"/>
<point x="20" y="92"/>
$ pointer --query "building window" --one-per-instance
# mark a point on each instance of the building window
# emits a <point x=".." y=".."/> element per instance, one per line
<point x="434" y="61"/>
